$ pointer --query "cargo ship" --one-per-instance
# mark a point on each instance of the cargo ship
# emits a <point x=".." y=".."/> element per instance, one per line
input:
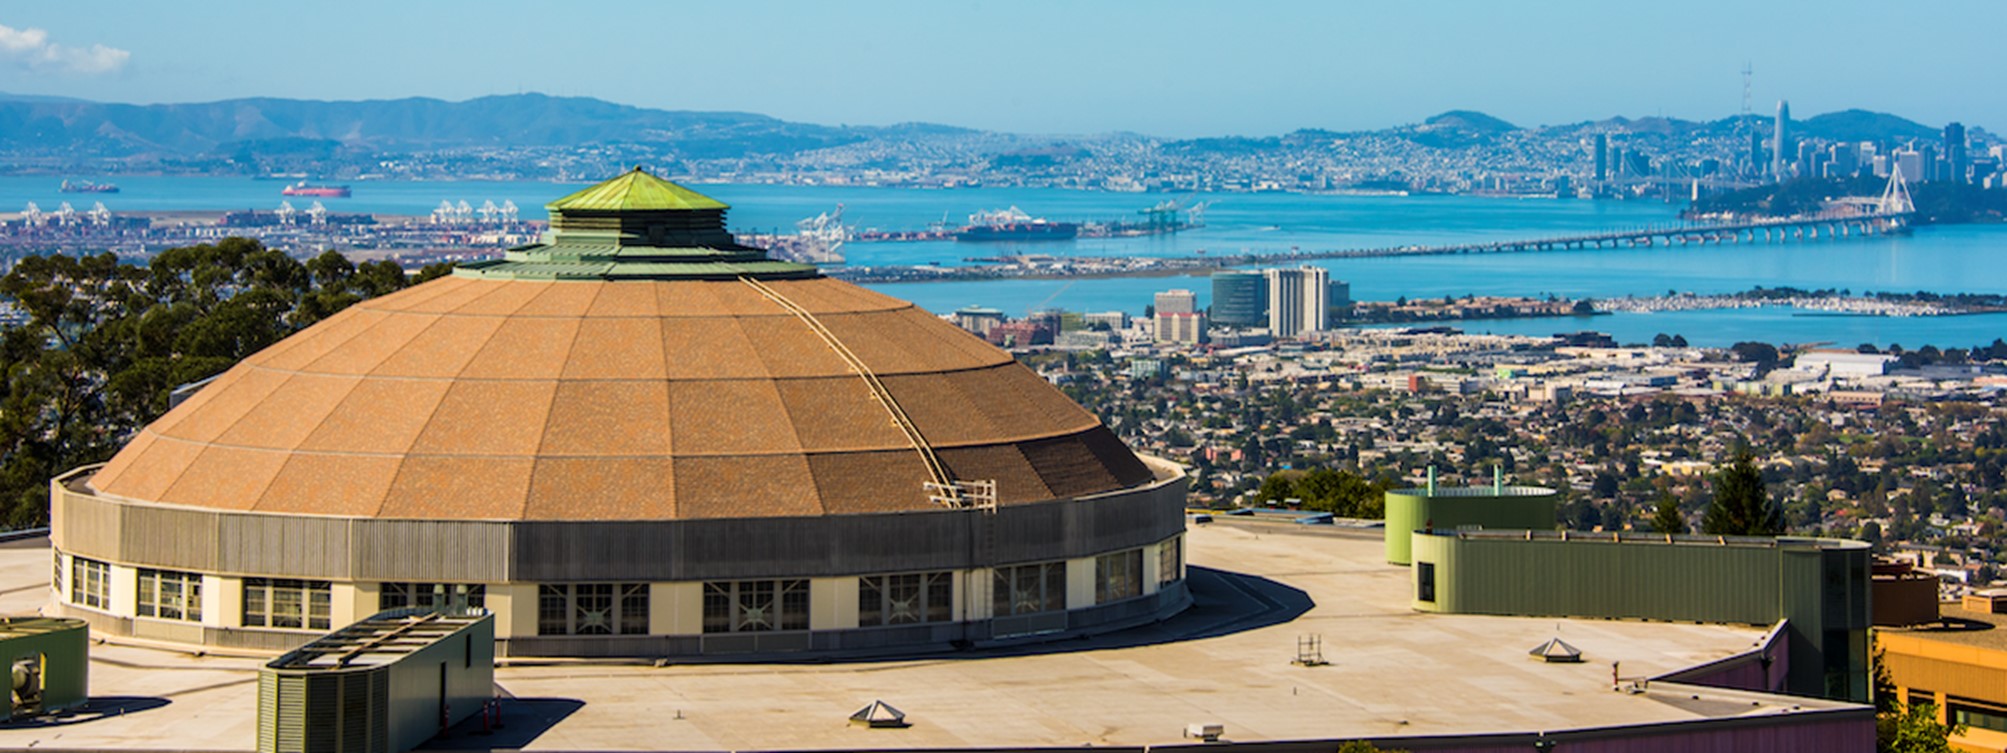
<point x="85" y="186"/>
<point x="1014" y="225"/>
<point x="302" y="188"/>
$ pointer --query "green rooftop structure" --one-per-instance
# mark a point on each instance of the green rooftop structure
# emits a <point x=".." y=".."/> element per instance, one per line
<point x="1817" y="587"/>
<point x="1441" y="508"/>
<point x="637" y="227"/>
<point x="49" y="663"/>
<point x="385" y="684"/>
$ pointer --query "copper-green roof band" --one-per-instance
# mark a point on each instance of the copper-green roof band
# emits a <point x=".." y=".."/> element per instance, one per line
<point x="635" y="191"/>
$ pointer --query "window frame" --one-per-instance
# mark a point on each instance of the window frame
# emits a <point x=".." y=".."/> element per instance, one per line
<point x="415" y="595"/>
<point x="575" y="609"/>
<point x="90" y="583"/>
<point x="1118" y="576"/>
<point x="154" y="587"/>
<point x="771" y="605"/>
<point x="1012" y="586"/>
<point x="930" y="594"/>
<point x="1171" y="561"/>
<point x="310" y="603"/>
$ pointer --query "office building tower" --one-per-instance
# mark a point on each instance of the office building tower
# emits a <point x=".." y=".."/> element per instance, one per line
<point x="1298" y="300"/>
<point x="1188" y="328"/>
<point x="1338" y="301"/>
<point x="1177" y="302"/>
<point x="1954" y="152"/>
<point x="1240" y="299"/>
<point x="1602" y="157"/>
<point x="1778" y="144"/>
<point x="1755" y="152"/>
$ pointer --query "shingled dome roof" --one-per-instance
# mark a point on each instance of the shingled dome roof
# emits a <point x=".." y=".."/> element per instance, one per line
<point x="650" y="389"/>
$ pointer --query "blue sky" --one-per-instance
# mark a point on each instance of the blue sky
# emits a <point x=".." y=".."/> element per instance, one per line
<point x="1167" y="67"/>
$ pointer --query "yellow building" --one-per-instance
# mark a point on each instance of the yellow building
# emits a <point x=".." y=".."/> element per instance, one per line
<point x="1959" y="665"/>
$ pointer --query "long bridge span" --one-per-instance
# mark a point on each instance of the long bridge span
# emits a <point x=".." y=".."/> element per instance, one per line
<point x="1775" y="230"/>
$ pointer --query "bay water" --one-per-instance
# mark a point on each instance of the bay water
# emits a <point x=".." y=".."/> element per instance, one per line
<point x="1945" y="259"/>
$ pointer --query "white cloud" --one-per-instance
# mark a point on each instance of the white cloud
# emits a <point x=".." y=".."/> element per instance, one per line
<point x="31" y="49"/>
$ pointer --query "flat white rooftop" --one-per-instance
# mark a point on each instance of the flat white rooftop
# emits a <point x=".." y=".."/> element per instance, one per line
<point x="1392" y="671"/>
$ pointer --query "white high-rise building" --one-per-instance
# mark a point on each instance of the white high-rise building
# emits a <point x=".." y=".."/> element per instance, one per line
<point x="1177" y="302"/>
<point x="1298" y="300"/>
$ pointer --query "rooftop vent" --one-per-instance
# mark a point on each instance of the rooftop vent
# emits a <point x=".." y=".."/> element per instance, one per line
<point x="1556" y="651"/>
<point x="879" y="714"/>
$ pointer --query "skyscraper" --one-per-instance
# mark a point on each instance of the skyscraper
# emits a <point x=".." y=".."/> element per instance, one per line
<point x="1240" y="299"/>
<point x="1338" y="301"/>
<point x="1778" y="147"/>
<point x="1602" y="157"/>
<point x="1298" y="300"/>
<point x="1954" y="152"/>
<point x="1178" y="319"/>
<point x="1177" y="302"/>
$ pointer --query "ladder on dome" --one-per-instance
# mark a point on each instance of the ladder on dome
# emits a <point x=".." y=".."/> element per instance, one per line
<point x="942" y="488"/>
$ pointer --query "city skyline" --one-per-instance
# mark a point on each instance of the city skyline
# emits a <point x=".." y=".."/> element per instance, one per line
<point x="1178" y="71"/>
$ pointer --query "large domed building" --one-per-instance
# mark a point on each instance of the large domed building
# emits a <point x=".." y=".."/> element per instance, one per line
<point x="637" y="438"/>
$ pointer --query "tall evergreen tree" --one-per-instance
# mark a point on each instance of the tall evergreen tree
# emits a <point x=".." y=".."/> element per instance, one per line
<point x="1666" y="517"/>
<point x="1742" y="505"/>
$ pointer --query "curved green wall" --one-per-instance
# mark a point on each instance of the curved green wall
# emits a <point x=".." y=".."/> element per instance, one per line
<point x="1451" y="508"/>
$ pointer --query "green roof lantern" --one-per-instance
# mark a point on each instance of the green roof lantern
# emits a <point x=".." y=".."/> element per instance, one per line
<point x="637" y="227"/>
<point x="635" y="190"/>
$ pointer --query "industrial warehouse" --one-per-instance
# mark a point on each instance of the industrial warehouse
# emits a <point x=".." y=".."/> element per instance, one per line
<point x="677" y="495"/>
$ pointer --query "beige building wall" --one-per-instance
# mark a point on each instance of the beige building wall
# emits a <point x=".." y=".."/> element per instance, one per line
<point x="218" y="611"/>
<point x="676" y="608"/>
<point x="124" y="590"/>
<point x="1080" y="583"/>
<point x="341" y="606"/>
<point x="975" y="595"/>
<point x="515" y="608"/>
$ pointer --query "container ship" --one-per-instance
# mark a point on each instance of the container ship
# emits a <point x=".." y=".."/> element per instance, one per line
<point x="302" y="188"/>
<point x="1014" y="225"/>
<point x="85" y="186"/>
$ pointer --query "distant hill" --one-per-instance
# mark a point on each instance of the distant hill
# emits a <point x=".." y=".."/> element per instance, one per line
<point x="51" y="125"/>
<point x="1862" y="125"/>
<point x="1470" y="120"/>
<point x="12" y="97"/>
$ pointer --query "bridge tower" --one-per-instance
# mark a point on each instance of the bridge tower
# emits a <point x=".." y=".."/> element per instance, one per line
<point x="1895" y="198"/>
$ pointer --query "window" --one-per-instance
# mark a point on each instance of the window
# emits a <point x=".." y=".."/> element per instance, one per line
<point x="741" y="606"/>
<point x="1029" y="589"/>
<point x="1118" y="576"/>
<point x="1977" y="714"/>
<point x="1171" y="560"/>
<point x="90" y="583"/>
<point x="592" y="609"/>
<point x="905" y="599"/>
<point x="431" y="596"/>
<point x="56" y="579"/>
<point x="1425" y="581"/>
<point x="282" y="603"/>
<point x="170" y="595"/>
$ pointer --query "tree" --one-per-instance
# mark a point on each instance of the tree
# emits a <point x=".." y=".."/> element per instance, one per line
<point x="1914" y="730"/>
<point x="1741" y="505"/>
<point x="1764" y="355"/>
<point x="1666" y="517"/>
<point x="105" y="343"/>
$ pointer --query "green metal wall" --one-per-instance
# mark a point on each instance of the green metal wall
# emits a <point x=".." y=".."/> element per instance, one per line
<point x="1509" y="508"/>
<point x="1818" y="585"/>
<point x="383" y="708"/>
<point x="63" y="648"/>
